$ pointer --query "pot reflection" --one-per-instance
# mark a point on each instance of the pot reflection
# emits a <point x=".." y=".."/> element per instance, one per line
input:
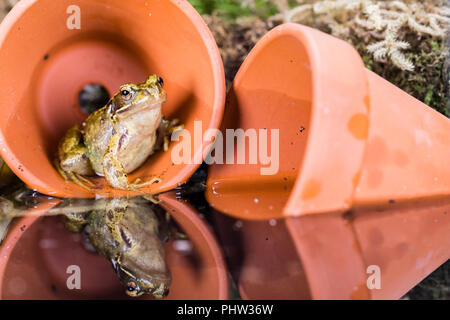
<point x="366" y="253"/>
<point x="139" y="239"/>
<point x="262" y="258"/>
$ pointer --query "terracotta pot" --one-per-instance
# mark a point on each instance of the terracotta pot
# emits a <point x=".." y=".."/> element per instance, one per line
<point x="328" y="256"/>
<point x="351" y="144"/>
<point x="44" y="66"/>
<point x="38" y="250"/>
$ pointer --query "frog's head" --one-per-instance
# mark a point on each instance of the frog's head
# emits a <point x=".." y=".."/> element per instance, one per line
<point x="134" y="98"/>
<point x="141" y="266"/>
<point x="142" y="279"/>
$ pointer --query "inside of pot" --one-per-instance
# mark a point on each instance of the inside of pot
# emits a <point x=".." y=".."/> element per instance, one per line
<point x="271" y="96"/>
<point x="45" y="65"/>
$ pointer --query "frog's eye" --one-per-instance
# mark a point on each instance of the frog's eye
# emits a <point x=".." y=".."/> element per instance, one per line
<point x="126" y="94"/>
<point x="132" y="289"/>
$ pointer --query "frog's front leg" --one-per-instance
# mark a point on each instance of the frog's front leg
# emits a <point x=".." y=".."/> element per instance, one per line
<point x="168" y="228"/>
<point x="73" y="162"/>
<point x="114" y="171"/>
<point x="165" y="131"/>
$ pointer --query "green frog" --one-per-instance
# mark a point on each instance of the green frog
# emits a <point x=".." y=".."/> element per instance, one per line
<point x="116" y="139"/>
<point x="129" y="232"/>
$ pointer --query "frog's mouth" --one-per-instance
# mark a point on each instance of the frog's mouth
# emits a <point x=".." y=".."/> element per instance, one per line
<point x="159" y="291"/>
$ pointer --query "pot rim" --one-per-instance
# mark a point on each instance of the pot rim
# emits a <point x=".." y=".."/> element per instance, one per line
<point x="218" y="106"/>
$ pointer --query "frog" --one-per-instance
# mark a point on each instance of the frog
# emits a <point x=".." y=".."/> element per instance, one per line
<point x="130" y="233"/>
<point x="116" y="139"/>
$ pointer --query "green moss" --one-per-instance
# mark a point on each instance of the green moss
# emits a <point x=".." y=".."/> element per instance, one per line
<point x="429" y="80"/>
<point x="232" y="9"/>
<point x="368" y="61"/>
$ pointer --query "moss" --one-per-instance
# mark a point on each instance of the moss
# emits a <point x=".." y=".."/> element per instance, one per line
<point x="428" y="81"/>
<point x="368" y="61"/>
<point x="233" y="9"/>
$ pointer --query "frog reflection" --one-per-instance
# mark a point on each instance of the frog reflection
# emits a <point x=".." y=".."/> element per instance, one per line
<point x="131" y="234"/>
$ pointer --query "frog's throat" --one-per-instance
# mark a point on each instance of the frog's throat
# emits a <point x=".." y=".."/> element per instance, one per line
<point x="134" y="108"/>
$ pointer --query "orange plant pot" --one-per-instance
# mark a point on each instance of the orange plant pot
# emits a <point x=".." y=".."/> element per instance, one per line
<point x="37" y="251"/>
<point x="351" y="144"/>
<point x="44" y="65"/>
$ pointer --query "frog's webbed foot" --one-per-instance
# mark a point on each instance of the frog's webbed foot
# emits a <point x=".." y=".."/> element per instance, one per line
<point x="76" y="178"/>
<point x="151" y="198"/>
<point x="85" y="180"/>
<point x="81" y="181"/>
<point x="138" y="185"/>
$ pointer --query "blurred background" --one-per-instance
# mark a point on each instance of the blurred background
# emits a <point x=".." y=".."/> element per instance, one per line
<point x="406" y="42"/>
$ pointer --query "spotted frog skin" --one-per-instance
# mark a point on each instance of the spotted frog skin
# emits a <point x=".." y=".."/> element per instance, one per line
<point x="130" y="232"/>
<point x="116" y="139"/>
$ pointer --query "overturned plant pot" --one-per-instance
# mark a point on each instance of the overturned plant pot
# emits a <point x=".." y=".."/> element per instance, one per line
<point x="359" y="162"/>
<point x="51" y="50"/>
<point x="39" y="257"/>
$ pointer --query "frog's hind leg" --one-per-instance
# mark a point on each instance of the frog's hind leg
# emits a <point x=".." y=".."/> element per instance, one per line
<point x="72" y="161"/>
<point x="74" y="177"/>
<point x="137" y="183"/>
<point x="60" y="170"/>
